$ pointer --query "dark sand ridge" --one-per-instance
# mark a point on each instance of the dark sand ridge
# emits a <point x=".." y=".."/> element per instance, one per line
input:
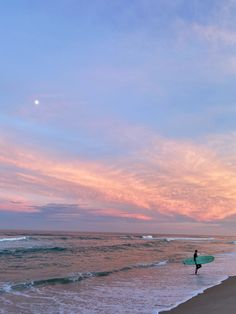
<point x="216" y="300"/>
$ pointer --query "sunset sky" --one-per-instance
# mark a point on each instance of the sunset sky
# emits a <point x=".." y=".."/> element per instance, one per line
<point x="118" y="115"/>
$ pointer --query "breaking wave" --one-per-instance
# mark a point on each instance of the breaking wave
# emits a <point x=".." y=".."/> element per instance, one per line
<point x="168" y="239"/>
<point x="7" y="287"/>
<point x="147" y="237"/>
<point x="14" y="239"/>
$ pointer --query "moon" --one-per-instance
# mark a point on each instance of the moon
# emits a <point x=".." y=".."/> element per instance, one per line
<point x="36" y="102"/>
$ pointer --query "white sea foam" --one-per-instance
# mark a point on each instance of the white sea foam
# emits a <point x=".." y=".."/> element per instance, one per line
<point x="13" y="239"/>
<point x="163" y="263"/>
<point x="150" y="237"/>
<point x="153" y="264"/>
<point x="6" y="287"/>
<point x="147" y="237"/>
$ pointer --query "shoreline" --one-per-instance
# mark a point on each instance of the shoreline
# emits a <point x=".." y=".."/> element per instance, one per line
<point x="217" y="299"/>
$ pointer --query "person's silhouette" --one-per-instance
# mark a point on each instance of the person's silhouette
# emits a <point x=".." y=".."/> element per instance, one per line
<point x="195" y="260"/>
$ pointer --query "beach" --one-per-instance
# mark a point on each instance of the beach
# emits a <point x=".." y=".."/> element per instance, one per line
<point x="218" y="299"/>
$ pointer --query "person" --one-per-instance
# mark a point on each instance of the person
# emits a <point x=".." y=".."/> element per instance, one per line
<point x="195" y="260"/>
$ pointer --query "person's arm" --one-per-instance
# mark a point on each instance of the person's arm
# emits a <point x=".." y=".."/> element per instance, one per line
<point x="195" y="258"/>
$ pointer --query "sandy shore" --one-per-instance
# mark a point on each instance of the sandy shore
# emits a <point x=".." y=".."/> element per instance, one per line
<point x="218" y="299"/>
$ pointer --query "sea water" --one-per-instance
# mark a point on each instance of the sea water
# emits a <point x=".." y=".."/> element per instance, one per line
<point x="64" y="272"/>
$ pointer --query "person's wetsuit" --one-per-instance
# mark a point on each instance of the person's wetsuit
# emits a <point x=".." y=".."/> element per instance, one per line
<point x="197" y="265"/>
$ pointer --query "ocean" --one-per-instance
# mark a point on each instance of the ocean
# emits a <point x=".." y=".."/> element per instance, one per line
<point x="73" y="272"/>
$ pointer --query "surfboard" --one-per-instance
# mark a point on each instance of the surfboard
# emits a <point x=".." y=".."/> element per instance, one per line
<point x="202" y="259"/>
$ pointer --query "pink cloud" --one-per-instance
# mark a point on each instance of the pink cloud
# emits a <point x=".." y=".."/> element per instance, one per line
<point x="16" y="204"/>
<point x="111" y="212"/>
<point x="162" y="176"/>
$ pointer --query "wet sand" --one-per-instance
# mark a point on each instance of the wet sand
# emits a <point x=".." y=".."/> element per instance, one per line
<point x="218" y="299"/>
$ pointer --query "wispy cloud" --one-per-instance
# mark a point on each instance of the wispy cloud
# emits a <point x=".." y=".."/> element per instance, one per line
<point x="16" y="204"/>
<point x="215" y="34"/>
<point x="162" y="176"/>
<point x="67" y="212"/>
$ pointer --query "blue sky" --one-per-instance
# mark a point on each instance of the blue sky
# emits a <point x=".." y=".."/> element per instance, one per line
<point x="135" y="120"/>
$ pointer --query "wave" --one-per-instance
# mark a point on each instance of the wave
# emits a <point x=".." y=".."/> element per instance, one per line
<point x="21" y="251"/>
<point x="14" y="239"/>
<point x="85" y="249"/>
<point x="128" y="237"/>
<point x="89" y="238"/>
<point x="48" y="237"/>
<point x="142" y="265"/>
<point x="8" y="287"/>
<point x="147" y="237"/>
<point x="116" y="247"/>
<point x="168" y="239"/>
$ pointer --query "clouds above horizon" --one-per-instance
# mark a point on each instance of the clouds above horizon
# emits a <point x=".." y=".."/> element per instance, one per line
<point x="136" y="113"/>
<point x="160" y="176"/>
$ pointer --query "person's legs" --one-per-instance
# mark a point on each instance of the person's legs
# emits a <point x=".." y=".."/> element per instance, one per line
<point x="197" y="267"/>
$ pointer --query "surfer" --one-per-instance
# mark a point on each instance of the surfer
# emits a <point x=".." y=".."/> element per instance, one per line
<point x="195" y="260"/>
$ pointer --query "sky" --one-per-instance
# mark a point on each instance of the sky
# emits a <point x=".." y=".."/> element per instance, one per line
<point x="118" y="116"/>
